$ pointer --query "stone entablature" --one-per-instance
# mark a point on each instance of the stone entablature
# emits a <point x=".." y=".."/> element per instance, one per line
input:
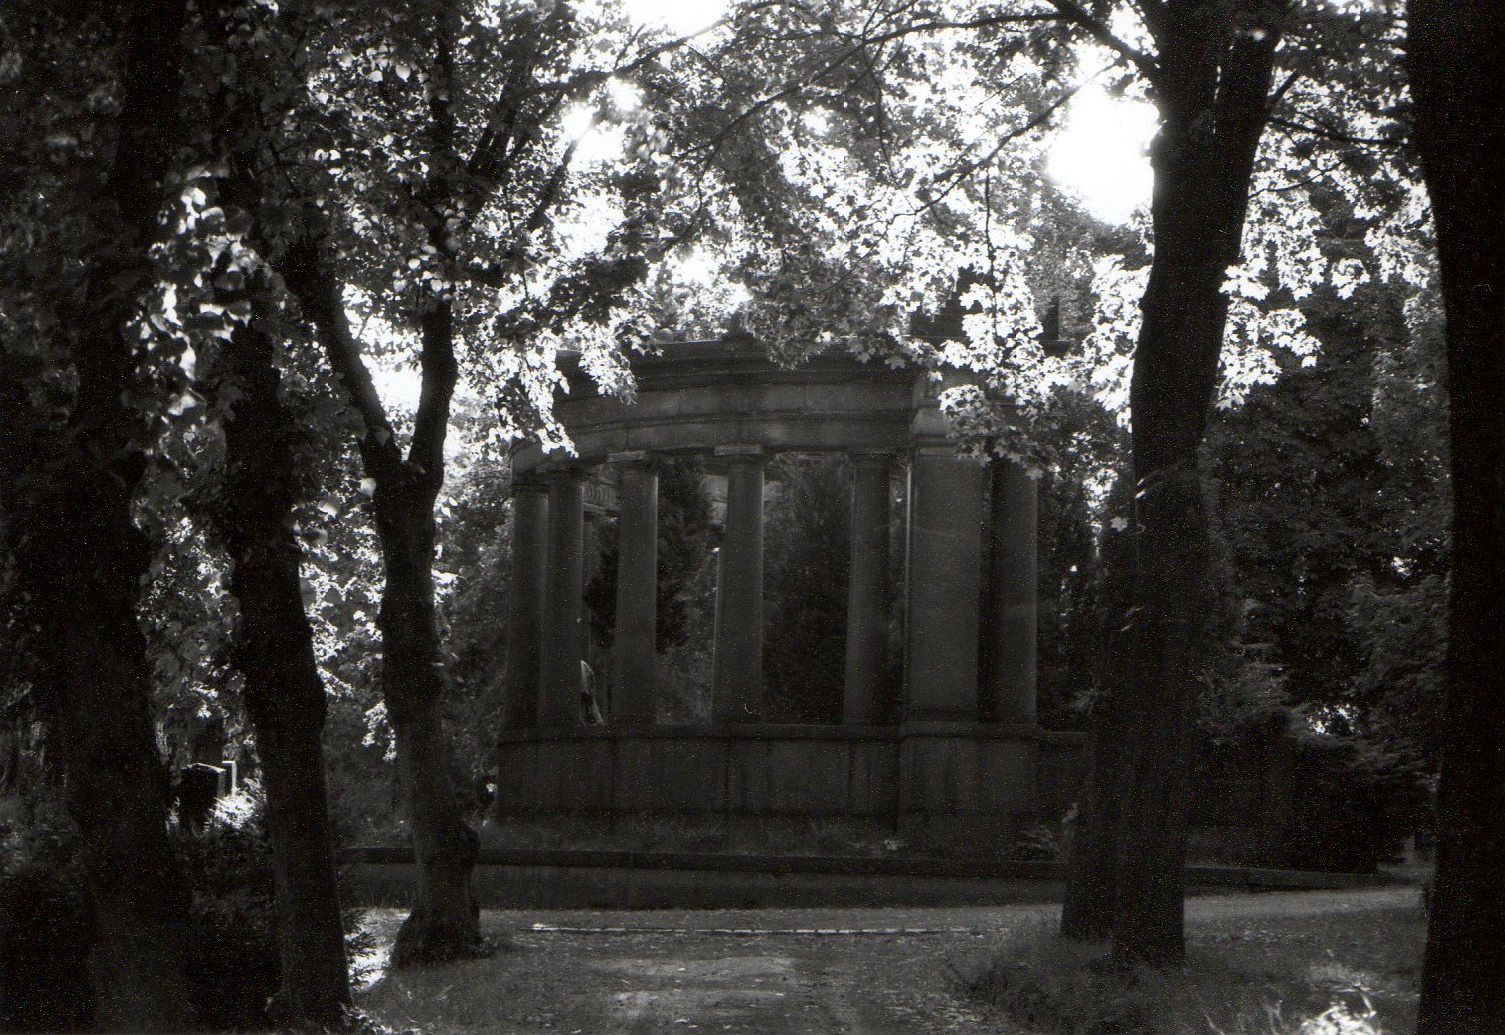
<point x="698" y="396"/>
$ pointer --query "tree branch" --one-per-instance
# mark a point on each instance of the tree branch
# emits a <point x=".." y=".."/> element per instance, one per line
<point x="1337" y="135"/>
<point x="1077" y="15"/>
<point x="959" y="173"/>
<point x="440" y="374"/>
<point x="308" y="279"/>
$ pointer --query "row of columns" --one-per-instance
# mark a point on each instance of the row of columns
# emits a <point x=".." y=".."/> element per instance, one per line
<point x="956" y="664"/>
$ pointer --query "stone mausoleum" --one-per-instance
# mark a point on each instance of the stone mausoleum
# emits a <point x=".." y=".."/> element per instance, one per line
<point x="950" y="754"/>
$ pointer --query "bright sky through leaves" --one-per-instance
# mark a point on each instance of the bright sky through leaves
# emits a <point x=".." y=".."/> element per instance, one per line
<point x="1099" y="155"/>
<point x="680" y="17"/>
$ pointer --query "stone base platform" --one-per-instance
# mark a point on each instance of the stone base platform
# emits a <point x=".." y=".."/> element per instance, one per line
<point x="512" y="878"/>
<point x="944" y="784"/>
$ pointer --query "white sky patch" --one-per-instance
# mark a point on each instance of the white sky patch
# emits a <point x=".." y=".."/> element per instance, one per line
<point x="596" y="142"/>
<point x="578" y="120"/>
<point x="697" y="266"/>
<point x="681" y="17"/>
<point x="625" y="96"/>
<point x="1101" y="154"/>
<point x="398" y="386"/>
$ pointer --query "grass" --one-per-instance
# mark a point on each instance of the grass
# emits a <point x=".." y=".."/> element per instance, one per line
<point x="1343" y="974"/>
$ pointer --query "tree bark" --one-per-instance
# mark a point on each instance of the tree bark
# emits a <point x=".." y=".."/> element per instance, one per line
<point x="1211" y="83"/>
<point x="274" y="650"/>
<point x="445" y="920"/>
<point x="1453" y="56"/>
<point x="80" y="560"/>
<point x="284" y="693"/>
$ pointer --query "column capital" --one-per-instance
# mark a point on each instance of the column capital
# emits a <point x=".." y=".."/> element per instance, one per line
<point x="530" y="482"/>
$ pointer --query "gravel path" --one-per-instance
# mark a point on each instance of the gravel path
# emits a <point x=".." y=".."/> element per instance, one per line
<point x="768" y="971"/>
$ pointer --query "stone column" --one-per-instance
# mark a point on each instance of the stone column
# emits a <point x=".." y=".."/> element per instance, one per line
<point x="564" y="626"/>
<point x="634" y="654"/>
<point x="947" y="494"/>
<point x="867" y="698"/>
<point x="1012" y="581"/>
<point x="737" y="672"/>
<point x="530" y="509"/>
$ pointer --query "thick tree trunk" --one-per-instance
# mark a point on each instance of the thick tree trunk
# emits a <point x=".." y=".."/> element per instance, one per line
<point x="80" y="560"/>
<point x="1214" y="75"/>
<point x="444" y="922"/>
<point x="1454" y="55"/>
<point x="284" y="693"/>
<point x="83" y="583"/>
<point x="1156" y="715"/>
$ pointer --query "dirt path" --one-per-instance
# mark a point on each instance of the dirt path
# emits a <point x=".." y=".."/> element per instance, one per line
<point x="768" y="971"/>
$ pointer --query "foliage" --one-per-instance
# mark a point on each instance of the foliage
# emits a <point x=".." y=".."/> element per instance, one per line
<point x="232" y="942"/>
<point x="805" y="564"/>
<point x="473" y="578"/>
<point x="683" y="594"/>
<point x="45" y="924"/>
<point x="684" y="521"/>
<point x="1331" y="502"/>
<point x="1355" y="805"/>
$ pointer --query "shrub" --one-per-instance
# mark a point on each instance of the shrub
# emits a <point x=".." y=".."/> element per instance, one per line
<point x="46" y="928"/>
<point x="232" y="950"/>
<point x="1355" y="805"/>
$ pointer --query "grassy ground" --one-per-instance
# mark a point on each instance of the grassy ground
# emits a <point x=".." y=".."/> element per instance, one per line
<point x="1345" y="973"/>
<point x="1313" y="963"/>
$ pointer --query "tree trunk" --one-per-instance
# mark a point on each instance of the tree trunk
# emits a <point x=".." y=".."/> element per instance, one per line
<point x="83" y="583"/>
<point x="444" y="922"/>
<point x="284" y="692"/>
<point x="80" y="561"/>
<point x="1454" y="53"/>
<point x="1214" y="75"/>
<point x="1156" y="716"/>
